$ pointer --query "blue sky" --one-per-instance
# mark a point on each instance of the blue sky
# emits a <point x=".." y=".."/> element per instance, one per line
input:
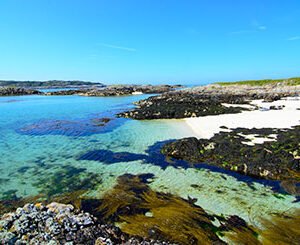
<point x="153" y="41"/>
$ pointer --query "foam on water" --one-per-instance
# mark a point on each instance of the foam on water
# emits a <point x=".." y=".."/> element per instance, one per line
<point x="28" y="161"/>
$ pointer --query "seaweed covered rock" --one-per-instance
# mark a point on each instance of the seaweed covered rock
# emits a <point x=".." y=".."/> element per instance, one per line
<point x="181" y="104"/>
<point x="59" y="223"/>
<point x="206" y="100"/>
<point x="276" y="160"/>
<point x="184" y="149"/>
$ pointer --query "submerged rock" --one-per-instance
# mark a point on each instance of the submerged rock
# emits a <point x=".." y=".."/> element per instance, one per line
<point x="79" y="127"/>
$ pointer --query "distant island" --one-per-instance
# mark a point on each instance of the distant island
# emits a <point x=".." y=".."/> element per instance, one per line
<point x="48" y="84"/>
<point x="81" y="88"/>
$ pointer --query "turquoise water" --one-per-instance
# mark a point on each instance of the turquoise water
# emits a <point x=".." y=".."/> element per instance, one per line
<point x="52" y="145"/>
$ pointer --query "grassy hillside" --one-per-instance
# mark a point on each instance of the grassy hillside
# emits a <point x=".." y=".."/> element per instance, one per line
<point x="288" y="81"/>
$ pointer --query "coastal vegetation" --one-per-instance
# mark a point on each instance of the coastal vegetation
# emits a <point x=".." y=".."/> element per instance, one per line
<point x="289" y="82"/>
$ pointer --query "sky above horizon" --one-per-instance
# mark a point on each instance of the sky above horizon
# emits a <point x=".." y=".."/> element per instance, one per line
<point x="149" y="41"/>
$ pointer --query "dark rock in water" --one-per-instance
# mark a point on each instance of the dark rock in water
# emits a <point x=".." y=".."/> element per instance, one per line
<point x="109" y="157"/>
<point x="11" y="91"/>
<point x="291" y="187"/>
<point x="233" y="222"/>
<point x="152" y="156"/>
<point x="81" y="127"/>
<point x="186" y="149"/>
<point x="59" y="223"/>
<point x="276" y="160"/>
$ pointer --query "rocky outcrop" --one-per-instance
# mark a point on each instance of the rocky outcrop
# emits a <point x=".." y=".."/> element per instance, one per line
<point x="59" y="223"/>
<point x="274" y="160"/>
<point x="205" y="100"/>
<point x="182" y="104"/>
<point x="119" y="90"/>
<point x="10" y="91"/>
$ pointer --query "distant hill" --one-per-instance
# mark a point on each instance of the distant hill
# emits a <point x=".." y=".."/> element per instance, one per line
<point x="288" y="81"/>
<point x="48" y="84"/>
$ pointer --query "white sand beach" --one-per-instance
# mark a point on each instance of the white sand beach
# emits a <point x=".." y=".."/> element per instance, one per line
<point x="288" y="116"/>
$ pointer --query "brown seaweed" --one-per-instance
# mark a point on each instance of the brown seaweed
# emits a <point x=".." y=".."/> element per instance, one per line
<point x="146" y="213"/>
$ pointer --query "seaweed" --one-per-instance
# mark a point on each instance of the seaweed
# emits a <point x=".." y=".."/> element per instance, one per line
<point x="281" y="229"/>
<point x="153" y="156"/>
<point x="243" y="236"/>
<point x="157" y="215"/>
<point x="75" y="198"/>
<point x="67" y="179"/>
<point x="73" y="128"/>
<point x="110" y="157"/>
<point x="9" y="205"/>
<point x="141" y="211"/>
<point x="124" y="194"/>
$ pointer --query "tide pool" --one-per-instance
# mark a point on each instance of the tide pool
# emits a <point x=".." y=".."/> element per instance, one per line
<point x="52" y="145"/>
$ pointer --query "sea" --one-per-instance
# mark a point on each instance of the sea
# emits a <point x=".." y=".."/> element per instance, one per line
<point x="56" y="144"/>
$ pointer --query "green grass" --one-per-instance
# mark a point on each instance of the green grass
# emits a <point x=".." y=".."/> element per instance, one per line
<point x="290" y="82"/>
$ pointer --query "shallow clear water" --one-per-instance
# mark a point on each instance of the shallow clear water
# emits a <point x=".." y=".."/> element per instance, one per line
<point x="47" y="143"/>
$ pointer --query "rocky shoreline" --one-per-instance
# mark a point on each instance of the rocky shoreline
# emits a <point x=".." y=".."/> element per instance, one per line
<point x="7" y="91"/>
<point x="145" y="217"/>
<point x="276" y="159"/>
<point x="206" y="100"/>
<point x="59" y="223"/>
<point x="273" y="160"/>
<point x="117" y="90"/>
